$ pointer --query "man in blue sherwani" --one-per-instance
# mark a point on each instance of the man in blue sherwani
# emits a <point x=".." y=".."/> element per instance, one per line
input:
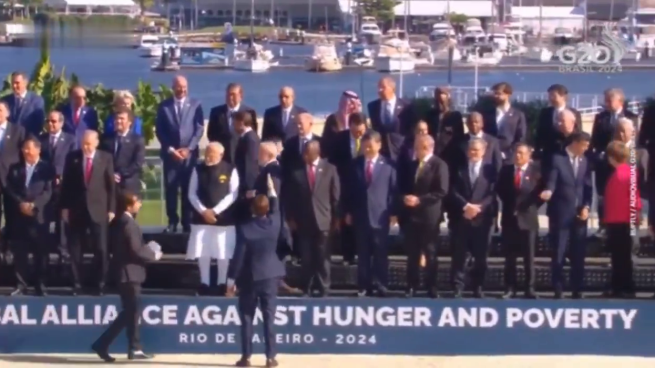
<point x="179" y="126"/>
<point x="78" y="116"/>
<point x="257" y="271"/>
<point x="25" y="108"/>
<point x="369" y="208"/>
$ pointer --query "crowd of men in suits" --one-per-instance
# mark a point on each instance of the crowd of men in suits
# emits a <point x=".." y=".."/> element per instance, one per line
<point x="348" y="186"/>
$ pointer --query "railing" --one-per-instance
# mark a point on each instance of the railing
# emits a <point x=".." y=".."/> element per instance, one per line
<point x="587" y="104"/>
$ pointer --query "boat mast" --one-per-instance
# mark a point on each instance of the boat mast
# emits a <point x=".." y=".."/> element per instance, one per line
<point x="541" y="20"/>
<point x="406" y="13"/>
<point x="252" y="22"/>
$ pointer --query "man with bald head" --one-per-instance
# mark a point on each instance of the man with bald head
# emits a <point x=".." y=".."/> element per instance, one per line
<point x="565" y="127"/>
<point x="88" y="202"/>
<point x="179" y="126"/>
<point x="78" y="116"/>
<point x="311" y="201"/>
<point x="392" y="117"/>
<point x="279" y="121"/>
<point x="220" y="127"/>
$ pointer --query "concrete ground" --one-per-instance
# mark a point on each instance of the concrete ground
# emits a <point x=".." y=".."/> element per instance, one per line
<point x="339" y="361"/>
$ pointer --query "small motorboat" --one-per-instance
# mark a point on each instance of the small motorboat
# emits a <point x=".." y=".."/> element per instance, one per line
<point x="324" y="59"/>
<point x="255" y="59"/>
<point x="395" y="56"/>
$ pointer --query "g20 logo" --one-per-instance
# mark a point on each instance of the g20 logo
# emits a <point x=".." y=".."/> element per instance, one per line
<point x="585" y="55"/>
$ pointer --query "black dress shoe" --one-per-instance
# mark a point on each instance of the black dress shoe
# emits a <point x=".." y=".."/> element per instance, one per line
<point x="409" y="293"/>
<point x="101" y="290"/>
<point x="270" y="363"/>
<point x="381" y="292"/>
<point x="203" y="290"/>
<point x="577" y="295"/>
<point x="138" y="355"/>
<point x="530" y="295"/>
<point x="433" y="293"/>
<point x="243" y="362"/>
<point x="509" y="294"/>
<point x="41" y="291"/>
<point x="186" y="229"/>
<point x="478" y="293"/>
<point x="170" y="229"/>
<point x="103" y="354"/>
<point x="18" y="291"/>
<point x="362" y="293"/>
<point x="558" y="293"/>
<point x="323" y="294"/>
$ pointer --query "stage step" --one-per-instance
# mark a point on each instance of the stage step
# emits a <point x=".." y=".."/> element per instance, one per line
<point x="174" y="272"/>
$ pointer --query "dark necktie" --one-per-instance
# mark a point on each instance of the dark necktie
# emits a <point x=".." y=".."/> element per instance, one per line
<point x="311" y="176"/>
<point x="303" y="145"/>
<point x="18" y="106"/>
<point x="119" y="143"/>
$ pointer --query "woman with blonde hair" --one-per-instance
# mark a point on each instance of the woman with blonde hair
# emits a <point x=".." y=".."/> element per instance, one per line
<point x="122" y="99"/>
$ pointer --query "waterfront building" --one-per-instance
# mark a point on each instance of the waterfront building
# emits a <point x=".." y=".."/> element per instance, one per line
<point x="88" y="7"/>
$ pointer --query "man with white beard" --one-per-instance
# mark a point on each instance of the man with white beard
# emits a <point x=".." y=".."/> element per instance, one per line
<point x="213" y="190"/>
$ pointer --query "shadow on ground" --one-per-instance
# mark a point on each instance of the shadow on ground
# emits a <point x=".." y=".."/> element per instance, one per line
<point x="87" y="360"/>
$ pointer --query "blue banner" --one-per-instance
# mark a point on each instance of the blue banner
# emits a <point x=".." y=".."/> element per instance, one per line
<point x="341" y="326"/>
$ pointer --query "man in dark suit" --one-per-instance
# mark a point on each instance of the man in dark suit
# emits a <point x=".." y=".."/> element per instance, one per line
<point x="566" y="126"/>
<point x="422" y="193"/>
<point x="220" y="127"/>
<point x="369" y="206"/>
<point x="473" y="192"/>
<point x="446" y="125"/>
<point x="347" y="146"/>
<point x="26" y="108"/>
<point x="312" y="194"/>
<point x="246" y="158"/>
<point x="88" y="203"/>
<point x="78" y="116"/>
<point x="279" y="121"/>
<point x="568" y="191"/>
<point x="55" y="147"/>
<point x="179" y="126"/>
<point x="29" y="187"/>
<point x="129" y="261"/>
<point x="548" y="136"/>
<point x="602" y="134"/>
<point x="392" y="117"/>
<point x="11" y="140"/>
<point x="505" y="122"/>
<point x="128" y="150"/>
<point x="257" y="272"/>
<point x="456" y="155"/>
<point x="291" y="156"/>
<point x="519" y="187"/>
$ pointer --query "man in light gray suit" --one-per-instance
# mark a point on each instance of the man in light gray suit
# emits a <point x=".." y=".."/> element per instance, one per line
<point x="312" y="208"/>
<point x="179" y="126"/>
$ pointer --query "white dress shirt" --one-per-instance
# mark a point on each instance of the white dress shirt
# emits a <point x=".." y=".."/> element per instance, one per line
<point x="388" y="107"/>
<point x="53" y="138"/>
<point x="230" y="111"/>
<point x="179" y="106"/>
<point x="480" y="135"/>
<point x="286" y="114"/>
<point x="302" y="140"/>
<point x="29" y="171"/>
<point x="3" y="130"/>
<point x="615" y="115"/>
<point x="474" y="170"/>
<point x="223" y="204"/>
<point x="575" y="162"/>
<point x="501" y="113"/>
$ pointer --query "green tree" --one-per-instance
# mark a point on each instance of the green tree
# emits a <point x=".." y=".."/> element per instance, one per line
<point x="382" y="10"/>
<point x="145" y="4"/>
<point x="456" y="18"/>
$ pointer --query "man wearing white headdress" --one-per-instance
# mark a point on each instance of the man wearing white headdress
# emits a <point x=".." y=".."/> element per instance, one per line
<point x="213" y="190"/>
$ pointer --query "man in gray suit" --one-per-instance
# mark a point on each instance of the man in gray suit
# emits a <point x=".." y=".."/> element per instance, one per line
<point x="312" y="201"/>
<point x="179" y="126"/>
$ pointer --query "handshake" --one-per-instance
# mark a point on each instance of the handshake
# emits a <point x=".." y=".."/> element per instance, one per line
<point x="155" y="248"/>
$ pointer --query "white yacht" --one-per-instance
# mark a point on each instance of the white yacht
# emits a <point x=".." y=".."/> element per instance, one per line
<point x="442" y="54"/>
<point x="395" y="56"/>
<point x="157" y="49"/>
<point x="441" y="31"/>
<point x="369" y="29"/>
<point x="563" y="36"/>
<point x="255" y="59"/>
<point x="484" y="56"/>
<point x="146" y="40"/>
<point x="324" y="59"/>
<point x="539" y="53"/>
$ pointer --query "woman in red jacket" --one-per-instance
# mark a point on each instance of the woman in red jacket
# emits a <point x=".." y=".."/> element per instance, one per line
<point x="622" y="208"/>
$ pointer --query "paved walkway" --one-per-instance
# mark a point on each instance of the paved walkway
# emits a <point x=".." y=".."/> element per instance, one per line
<point x="340" y="361"/>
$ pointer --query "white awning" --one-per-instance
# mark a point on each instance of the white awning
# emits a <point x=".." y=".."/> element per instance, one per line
<point x="431" y="8"/>
<point x="547" y="12"/>
<point x="89" y="2"/>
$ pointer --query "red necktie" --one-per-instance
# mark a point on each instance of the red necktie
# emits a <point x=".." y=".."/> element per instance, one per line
<point x="311" y="176"/>
<point x="517" y="178"/>
<point x="76" y="116"/>
<point x="87" y="169"/>
<point x="369" y="172"/>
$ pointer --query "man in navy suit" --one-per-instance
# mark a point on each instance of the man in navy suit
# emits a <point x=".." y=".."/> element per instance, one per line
<point x="26" y="109"/>
<point x="568" y="191"/>
<point x="55" y="147"/>
<point x="220" y="127"/>
<point x="129" y="152"/>
<point x="29" y="187"/>
<point x="78" y="116"/>
<point x="257" y="272"/>
<point x="369" y="206"/>
<point x="246" y="158"/>
<point x="505" y="122"/>
<point x="11" y="141"/>
<point x="291" y="156"/>
<point x="392" y="117"/>
<point x="179" y="126"/>
<point x="280" y="120"/>
<point x="473" y="192"/>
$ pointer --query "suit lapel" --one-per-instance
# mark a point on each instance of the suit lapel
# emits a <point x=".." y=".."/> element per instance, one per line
<point x="318" y="174"/>
<point x="22" y="176"/>
<point x="20" y="108"/>
<point x="466" y="178"/>
<point x="170" y="111"/>
<point x="582" y="167"/>
<point x="186" y="109"/>
<point x="375" y="113"/>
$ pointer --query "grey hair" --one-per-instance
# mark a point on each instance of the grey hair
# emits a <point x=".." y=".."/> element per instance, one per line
<point x="566" y="113"/>
<point x="217" y="146"/>
<point x="269" y="147"/>
<point x="428" y="139"/>
<point x="615" y="92"/>
<point x="60" y="116"/>
<point x="479" y="141"/>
